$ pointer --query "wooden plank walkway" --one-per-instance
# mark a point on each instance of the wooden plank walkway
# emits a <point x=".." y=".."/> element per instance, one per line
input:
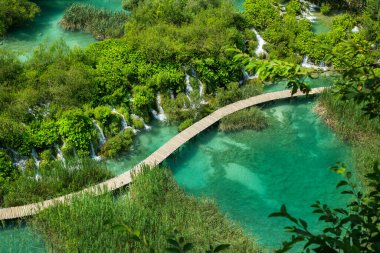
<point x="155" y="158"/>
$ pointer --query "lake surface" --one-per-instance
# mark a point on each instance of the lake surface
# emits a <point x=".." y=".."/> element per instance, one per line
<point x="250" y="174"/>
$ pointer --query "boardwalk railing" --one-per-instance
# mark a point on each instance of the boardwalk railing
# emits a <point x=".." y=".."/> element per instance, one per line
<point x="155" y="158"/>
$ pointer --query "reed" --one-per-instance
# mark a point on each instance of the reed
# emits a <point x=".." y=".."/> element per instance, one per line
<point x="252" y="118"/>
<point x="101" y="23"/>
<point x="347" y="119"/>
<point x="56" y="179"/>
<point x="154" y="206"/>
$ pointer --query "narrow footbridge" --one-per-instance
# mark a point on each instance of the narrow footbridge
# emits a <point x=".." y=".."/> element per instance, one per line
<point x="155" y="158"/>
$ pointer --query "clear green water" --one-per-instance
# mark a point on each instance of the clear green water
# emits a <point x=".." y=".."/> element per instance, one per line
<point x="20" y="239"/>
<point x="250" y="174"/>
<point x="45" y="27"/>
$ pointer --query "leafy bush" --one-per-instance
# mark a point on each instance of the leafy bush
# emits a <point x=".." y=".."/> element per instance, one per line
<point x="137" y="123"/>
<point x="117" y="144"/>
<point x="252" y="118"/>
<point x="325" y="8"/>
<point x="154" y="206"/>
<point x="185" y="124"/>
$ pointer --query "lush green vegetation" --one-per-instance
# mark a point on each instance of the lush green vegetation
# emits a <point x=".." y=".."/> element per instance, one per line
<point x="15" y="13"/>
<point x="101" y="23"/>
<point x="56" y="178"/>
<point x="346" y="118"/>
<point x="153" y="208"/>
<point x="118" y="144"/>
<point x="252" y="118"/>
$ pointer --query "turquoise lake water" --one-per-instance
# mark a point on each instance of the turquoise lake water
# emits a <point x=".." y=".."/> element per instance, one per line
<point x="45" y="27"/>
<point x="250" y="174"/>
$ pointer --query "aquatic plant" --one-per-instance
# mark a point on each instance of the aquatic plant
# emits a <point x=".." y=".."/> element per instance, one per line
<point x="56" y="179"/>
<point x="153" y="205"/>
<point x="101" y="23"/>
<point x="347" y="120"/>
<point x="252" y="118"/>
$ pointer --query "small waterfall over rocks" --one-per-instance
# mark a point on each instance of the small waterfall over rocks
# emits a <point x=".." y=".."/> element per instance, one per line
<point x="260" y="48"/>
<point x="160" y="115"/>
<point x="305" y="63"/>
<point x="307" y="12"/>
<point x="60" y="154"/>
<point x="189" y="88"/>
<point x="102" y="138"/>
<point x="146" y="127"/>
<point x="171" y="95"/>
<point x="36" y="163"/>
<point x="355" y="29"/>
<point x="123" y="122"/>
<point x="19" y="161"/>
<point x="93" y="154"/>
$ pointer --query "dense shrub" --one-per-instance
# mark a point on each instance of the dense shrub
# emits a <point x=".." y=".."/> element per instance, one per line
<point x="325" y="8"/>
<point x="118" y="144"/>
<point x="185" y="124"/>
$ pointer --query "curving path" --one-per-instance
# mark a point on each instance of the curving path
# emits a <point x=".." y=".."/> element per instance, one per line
<point x="155" y="158"/>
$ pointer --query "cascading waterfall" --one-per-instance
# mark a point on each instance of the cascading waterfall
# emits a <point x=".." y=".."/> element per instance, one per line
<point x="19" y="161"/>
<point x="93" y="154"/>
<point x="171" y="95"/>
<point x="123" y="122"/>
<point x="60" y="154"/>
<point x="146" y="127"/>
<point x="189" y="88"/>
<point x="102" y="138"/>
<point x="260" y="48"/>
<point x="36" y="163"/>
<point x="355" y="29"/>
<point x="305" y="63"/>
<point x="160" y="115"/>
<point x="308" y="12"/>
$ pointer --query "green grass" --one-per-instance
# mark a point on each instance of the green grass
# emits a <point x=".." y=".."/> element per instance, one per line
<point x="252" y="118"/>
<point x="154" y="205"/>
<point x="347" y="119"/>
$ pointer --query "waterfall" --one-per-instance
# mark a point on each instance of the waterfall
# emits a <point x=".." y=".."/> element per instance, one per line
<point x="260" y="48"/>
<point x="160" y="115"/>
<point x="36" y="163"/>
<point x="189" y="89"/>
<point x="123" y="122"/>
<point x="93" y="154"/>
<point x="200" y="88"/>
<point x="307" y="13"/>
<point x="171" y="95"/>
<point x="355" y="29"/>
<point x="147" y="127"/>
<point x="60" y="154"/>
<point x="102" y="138"/>
<point x="18" y="160"/>
<point x="305" y="63"/>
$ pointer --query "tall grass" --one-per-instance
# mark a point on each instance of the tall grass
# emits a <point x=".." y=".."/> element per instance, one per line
<point x="56" y="180"/>
<point x="251" y="118"/>
<point x="154" y="205"/>
<point x="346" y="118"/>
<point x="101" y="23"/>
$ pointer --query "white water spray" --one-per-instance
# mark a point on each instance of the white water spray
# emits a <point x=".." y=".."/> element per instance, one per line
<point x="189" y="88"/>
<point x="307" y="12"/>
<point x="306" y="64"/>
<point x="146" y="127"/>
<point x="102" y="138"/>
<point x="160" y="115"/>
<point x="93" y="154"/>
<point x="260" y="48"/>
<point x="60" y="154"/>
<point x="36" y="163"/>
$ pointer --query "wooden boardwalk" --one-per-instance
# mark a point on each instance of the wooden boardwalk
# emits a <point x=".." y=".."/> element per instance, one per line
<point x="155" y="158"/>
